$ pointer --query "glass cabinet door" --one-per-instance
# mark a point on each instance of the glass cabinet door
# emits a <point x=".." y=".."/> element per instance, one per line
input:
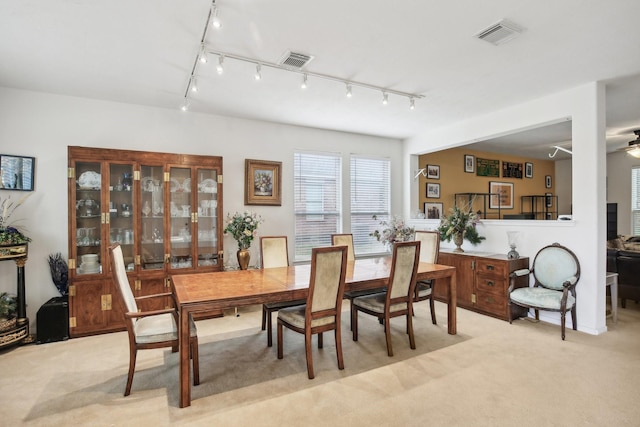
<point x="88" y="218"/>
<point x="122" y="211"/>
<point x="152" y="214"/>
<point x="207" y="218"/>
<point x="181" y="217"/>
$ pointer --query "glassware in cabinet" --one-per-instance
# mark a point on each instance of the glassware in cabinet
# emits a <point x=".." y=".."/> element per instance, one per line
<point x="207" y="218"/>
<point x="181" y="219"/>
<point x="122" y="211"/>
<point x="88" y="218"/>
<point x="152" y="217"/>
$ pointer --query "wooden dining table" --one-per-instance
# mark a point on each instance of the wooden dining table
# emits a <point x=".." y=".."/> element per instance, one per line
<point x="202" y="292"/>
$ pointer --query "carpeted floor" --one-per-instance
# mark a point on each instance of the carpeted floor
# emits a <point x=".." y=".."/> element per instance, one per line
<point x="490" y="374"/>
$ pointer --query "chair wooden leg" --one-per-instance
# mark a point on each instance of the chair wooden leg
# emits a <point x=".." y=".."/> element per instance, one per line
<point x="338" y="336"/>
<point x="196" y="360"/>
<point x="574" y="319"/>
<point x="412" y="340"/>
<point x="320" y="340"/>
<point x="563" y="316"/>
<point x="279" y="340"/>
<point x="433" y="310"/>
<point x="387" y="334"/>
<point x="307" y="346"/>
<point x="132" y="366"/>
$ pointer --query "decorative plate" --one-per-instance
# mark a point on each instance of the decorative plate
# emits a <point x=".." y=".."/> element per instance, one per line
<point x="89" y="180"/>
<point x="208" y="186"/>
<point x="186" y="185"/>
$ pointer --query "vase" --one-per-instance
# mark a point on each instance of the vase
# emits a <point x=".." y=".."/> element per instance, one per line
<point x="243" y="258"/>
<point x="458" y="238"/>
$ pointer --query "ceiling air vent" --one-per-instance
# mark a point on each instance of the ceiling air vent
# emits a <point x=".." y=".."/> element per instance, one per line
<point x="499" y="33"/>
<point x="294" y="61"/>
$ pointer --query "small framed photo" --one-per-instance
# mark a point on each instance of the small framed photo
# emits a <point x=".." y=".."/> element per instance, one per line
<point x="549" y="199"/>
<point x="262" y="182"/>
<point x="547" y="181"/>
<point x="501" y="195"/>
<point x="433" y="191"/>
<point x="528" y="170"/>
<point x="469" y="163"/>
<point x="433" y="171"/>
<point x="432" y="210"/>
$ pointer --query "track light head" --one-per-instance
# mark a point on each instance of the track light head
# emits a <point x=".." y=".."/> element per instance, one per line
<point x="258" y="74"/>
<point x="304" y="82"/>
<point x="215" y="20"/>
<point x="412" y="104"/>
<point x="385" y="98"/>
<point x="349" y="94"/>
<point x="185" y="104"/>
<point x="194" y="84"/>
<point x="203" y="54"/>
<point x="220" y="66"/>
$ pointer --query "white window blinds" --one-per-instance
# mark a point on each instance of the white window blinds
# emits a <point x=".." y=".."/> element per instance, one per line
<point x="317" y="201"/>
<point x="635" y="201"/>
<point x="370" y="195"/>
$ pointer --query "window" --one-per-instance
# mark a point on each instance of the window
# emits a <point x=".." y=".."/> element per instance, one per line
<point x="635" y="201"/>
<point x="318" y="201"/>
<point x="370" y="195"/>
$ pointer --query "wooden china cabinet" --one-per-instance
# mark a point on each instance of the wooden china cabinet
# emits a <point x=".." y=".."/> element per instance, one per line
<point x="162" y="208"/>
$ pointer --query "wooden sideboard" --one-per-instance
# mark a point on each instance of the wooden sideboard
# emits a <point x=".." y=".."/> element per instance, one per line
<point x="483" y="280"/>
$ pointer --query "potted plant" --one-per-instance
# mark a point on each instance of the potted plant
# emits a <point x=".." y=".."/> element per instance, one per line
<point x="10" y="233"/>
<point x="394" y="230"/>
<point x="8" y="307"/>
<point x="458" y="225"/>
<point x="243" y="228"/>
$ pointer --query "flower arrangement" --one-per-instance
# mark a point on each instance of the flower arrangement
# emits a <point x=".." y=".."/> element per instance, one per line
<point x="460" y="222"/>
<point x="8" y="305"/>
<point x="394" y="230"/>
<point x="243" y="226"/>
<point x="10" y="233"/>
<point x="263" y="182"/>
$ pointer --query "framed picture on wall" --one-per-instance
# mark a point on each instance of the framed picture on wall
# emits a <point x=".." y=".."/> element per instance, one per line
<point x="262" y="182"/>
<point x="433" y="171"/>
<point x="17" y="172"/>
<point x="469" y="163"/>
<point x="433" y="191"/>
<point x="547" y="181"/>
<point x="528" y="170"/>
<point x="433" y="210"/>
<point x="501" y="195"/>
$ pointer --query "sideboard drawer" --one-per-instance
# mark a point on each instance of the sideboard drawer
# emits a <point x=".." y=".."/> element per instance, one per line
<point x="490" y="284"/>
<point x="493" y="267"/>
<point x="491" y="303"/>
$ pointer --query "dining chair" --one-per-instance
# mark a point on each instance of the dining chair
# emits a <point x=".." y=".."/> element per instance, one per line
<point x="556" y="272"/>
<point x="347" y="239"/>
<point x="398" y="299"/>
<point x="322" y="311"/>
<point x="429" y="249"/>
<point x="274" y="253"/>
<point x="148" y="329"/>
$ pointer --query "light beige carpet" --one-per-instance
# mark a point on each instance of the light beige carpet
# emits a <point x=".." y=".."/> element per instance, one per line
<point x="490" y="374"/>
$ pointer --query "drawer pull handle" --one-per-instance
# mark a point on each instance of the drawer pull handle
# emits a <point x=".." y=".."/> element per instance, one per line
<point x="490" y="267"/>
<point x="490" y="283"/>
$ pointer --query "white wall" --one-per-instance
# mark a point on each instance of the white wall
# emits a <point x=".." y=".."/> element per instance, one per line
<point x="586" y="234"/>
<point x="619" y="167"/>
<point x="43" y="125"/>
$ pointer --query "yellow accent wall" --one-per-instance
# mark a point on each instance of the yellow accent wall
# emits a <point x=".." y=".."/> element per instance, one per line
<point x="454" y="179"/>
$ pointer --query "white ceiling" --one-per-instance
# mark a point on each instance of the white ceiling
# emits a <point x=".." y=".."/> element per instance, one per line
<point x="143" y="51"/>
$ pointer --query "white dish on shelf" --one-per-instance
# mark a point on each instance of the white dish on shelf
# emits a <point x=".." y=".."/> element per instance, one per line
<point x="89" y="180"/>
<point x="146" y="183"/>
<point x="174" y="185"/>
<point x="186" y="185"/>
<point x="208" y="186"/>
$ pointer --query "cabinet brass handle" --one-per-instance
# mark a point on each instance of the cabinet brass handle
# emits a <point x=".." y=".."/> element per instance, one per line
<point x="490" y="283"/>
<point x="490" y="267"/>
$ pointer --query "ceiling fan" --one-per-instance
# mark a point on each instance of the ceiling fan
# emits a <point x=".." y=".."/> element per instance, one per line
<point x="634" y="146"/>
